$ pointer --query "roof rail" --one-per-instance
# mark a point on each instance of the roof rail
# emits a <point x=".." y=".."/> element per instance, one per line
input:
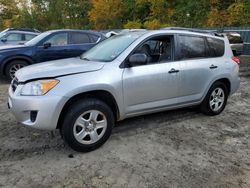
<point x="209" y="32"/>
<point x="24" y="29"/>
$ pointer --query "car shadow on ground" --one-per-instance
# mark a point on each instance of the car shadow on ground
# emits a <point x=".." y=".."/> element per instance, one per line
<point x="156" y="120"/>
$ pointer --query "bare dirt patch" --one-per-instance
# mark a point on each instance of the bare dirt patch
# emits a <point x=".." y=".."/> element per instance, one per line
<point x="181" y="148"/>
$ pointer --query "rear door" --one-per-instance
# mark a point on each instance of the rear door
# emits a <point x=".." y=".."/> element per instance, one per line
<point x="79" y="43"/>
<point x="198" y="67"/>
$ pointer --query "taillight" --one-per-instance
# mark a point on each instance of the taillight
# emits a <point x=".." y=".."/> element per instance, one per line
<point x="236" y="60"/>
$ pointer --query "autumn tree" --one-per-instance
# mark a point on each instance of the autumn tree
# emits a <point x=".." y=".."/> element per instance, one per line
<point x="218" y="14"/>
<point x="238" y="13"/>
<point x="8" y="12"/>
<point x="106" y="14"/>
<point x="133" y="25"/>
<point x="111" y="14"/>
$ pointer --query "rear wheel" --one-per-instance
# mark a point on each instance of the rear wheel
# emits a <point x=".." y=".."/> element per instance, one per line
<point x="216" y="99"/>
<point x="87" y="125"/>
<point x="13" y="67"/>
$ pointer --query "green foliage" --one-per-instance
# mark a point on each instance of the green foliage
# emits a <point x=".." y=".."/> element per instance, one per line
<point x="133" y="25"/>
<point x="152" y="24"/>
<point x="108" y="14"/>
<point x="238" y="14"/>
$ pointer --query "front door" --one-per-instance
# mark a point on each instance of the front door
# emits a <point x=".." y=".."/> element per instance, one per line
<point x="59" y="48"/>
<point x="154" y="85"/>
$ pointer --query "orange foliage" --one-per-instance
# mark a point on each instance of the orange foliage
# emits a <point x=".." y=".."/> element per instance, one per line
<point x="106" y="13"/>
<point x="153" y="24"/>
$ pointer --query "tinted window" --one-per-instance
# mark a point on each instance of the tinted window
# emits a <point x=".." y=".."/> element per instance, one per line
<point x="14" y="37"/>
<point x="79" y="38"/>
<point x="60" y="39"/>
<point x="192" y="47"/>
<point x="217" y="47"/>
<point x="29" y="37"/>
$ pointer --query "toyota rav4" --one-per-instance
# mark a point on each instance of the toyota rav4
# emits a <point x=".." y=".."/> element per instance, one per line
<point x="127" y="75"/>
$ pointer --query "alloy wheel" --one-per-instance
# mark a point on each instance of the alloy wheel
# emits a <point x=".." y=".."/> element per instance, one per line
<point x="13" y="69"/>
<point x="217" y="99"/>
<point x="90" y="127"/>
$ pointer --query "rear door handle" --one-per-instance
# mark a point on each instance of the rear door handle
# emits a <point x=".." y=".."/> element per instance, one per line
<point x="173" y="71"/>
<point x="213" y="67"/>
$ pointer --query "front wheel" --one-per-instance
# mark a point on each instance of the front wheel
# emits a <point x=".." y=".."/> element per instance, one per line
<point x="215" y="100"/>
<point x="13" y="67"/>
<point x="87" y="125"/>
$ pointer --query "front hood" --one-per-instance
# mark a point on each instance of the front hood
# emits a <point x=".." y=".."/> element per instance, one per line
<point x="52" y="69"/>
<point x="11" y="47"/>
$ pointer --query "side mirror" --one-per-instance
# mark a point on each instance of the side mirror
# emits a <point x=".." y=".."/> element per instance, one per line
<point x="138" y="59"/>
<point x="46" y="45"/>
<point x="4" y="40"/>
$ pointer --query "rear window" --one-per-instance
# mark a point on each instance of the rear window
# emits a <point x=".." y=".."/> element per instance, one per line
<point x="192" y="47"/>
<point x="216" y="46"/>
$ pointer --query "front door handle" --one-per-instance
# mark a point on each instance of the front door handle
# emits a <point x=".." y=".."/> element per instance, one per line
<point x="173" y="71"/>
<point x="213" y="67"/>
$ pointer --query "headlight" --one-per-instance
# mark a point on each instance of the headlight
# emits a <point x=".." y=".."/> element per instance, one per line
<point x="38" y="88"/>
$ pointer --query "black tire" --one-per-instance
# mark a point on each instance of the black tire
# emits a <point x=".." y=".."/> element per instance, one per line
<point x="205" y="105"/>
<point x="75" y="111"/>
<point x="14" y="64"/>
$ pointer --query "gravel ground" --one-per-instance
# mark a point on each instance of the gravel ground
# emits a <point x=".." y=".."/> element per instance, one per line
<point x="181" y="148"/>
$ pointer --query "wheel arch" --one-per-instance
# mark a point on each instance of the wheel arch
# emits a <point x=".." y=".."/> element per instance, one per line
<point x="225" y="80"/>
<point x="102" y="95"/>
<point x="227" y="83"/>
<point x="10" y="59"/>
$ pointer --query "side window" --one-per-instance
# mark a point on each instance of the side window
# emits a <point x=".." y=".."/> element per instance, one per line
<point x="29" y="37"/>
<point x="154" y="45"/>
<point x="158" y="49"/>
<point x="14" y="37"/>
<point x="60" y="39"/>
<point x="79" y="38"/>
<point x="192" y="47"/>
<point x="216" y="46"/>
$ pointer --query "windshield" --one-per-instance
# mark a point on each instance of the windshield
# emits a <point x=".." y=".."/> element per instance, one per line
<point x="110" y="49"/>
<point x="37" y="39"/>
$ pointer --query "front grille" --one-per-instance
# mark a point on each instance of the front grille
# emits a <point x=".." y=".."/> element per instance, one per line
<point x="14" y="84"/>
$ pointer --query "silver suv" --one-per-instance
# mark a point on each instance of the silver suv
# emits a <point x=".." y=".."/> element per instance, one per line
<point x="127" y="75"/>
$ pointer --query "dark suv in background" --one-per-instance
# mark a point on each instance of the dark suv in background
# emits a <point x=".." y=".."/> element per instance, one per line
<point x="50" y="45"/>
<point x="12" y="36"/>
